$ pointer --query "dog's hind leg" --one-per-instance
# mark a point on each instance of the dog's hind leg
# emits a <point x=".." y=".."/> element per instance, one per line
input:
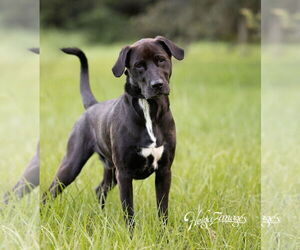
<point x="80" y="148"/>
<point x="108" y="183"/>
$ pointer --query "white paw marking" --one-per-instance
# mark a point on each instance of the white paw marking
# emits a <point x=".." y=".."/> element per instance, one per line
<point x="156" y="152"/>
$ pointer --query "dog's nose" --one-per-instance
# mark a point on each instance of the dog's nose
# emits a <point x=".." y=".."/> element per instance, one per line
<point x="157" y="84"/>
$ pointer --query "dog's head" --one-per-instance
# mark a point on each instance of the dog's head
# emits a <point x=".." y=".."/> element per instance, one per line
<point x="147" y="64"/>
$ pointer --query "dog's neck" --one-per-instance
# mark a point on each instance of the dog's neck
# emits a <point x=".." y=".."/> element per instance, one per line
<point x="132" y="90"/>
<point x="157" y="106"/>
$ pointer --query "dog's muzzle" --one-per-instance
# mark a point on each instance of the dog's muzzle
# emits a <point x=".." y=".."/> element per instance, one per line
<point x="157" y="88"/>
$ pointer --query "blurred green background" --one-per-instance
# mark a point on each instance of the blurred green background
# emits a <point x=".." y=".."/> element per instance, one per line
<point x="188" y="20"/>
<point x="19" y="135"/>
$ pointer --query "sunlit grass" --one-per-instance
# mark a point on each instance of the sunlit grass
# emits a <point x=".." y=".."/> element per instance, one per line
<point x="280" y="146"/>
<point x="19" y="112"/>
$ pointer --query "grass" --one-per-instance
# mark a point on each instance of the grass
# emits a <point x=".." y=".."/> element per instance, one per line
<point x="215" y="101"/>
<point x="216" y="104"/>
<point x="19" y="112"/>
<point x="280" y="146"/>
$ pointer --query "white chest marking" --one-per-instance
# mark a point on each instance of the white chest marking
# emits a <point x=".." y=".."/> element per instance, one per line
<point x="156" y="152"/>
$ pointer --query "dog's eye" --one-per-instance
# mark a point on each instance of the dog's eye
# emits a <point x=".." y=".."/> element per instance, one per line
<point x="139" y="65"/>
<point x="160" y="59"/>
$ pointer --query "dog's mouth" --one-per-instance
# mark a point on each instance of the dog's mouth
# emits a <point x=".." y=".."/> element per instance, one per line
<point x="151" y="93"/>
<point x="158" y="94"/>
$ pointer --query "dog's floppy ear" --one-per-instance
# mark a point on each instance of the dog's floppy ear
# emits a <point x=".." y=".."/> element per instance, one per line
<point x="172" y="48"/>
<point x="120" y="64"/>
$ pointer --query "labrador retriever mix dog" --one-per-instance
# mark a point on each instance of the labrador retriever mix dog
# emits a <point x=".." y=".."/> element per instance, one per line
<point x="134" y="135"/>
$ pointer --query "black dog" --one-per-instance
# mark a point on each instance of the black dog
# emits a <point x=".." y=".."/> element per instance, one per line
<point x="134" y="134"/>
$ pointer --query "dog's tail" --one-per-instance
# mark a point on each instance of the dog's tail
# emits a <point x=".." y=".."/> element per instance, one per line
<point x="35" y="50"/>
<point x="87" y="96"/>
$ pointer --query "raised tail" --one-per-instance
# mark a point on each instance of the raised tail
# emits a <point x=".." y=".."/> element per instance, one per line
<point x="35" y="50"/>
<point x="87" y="96"/>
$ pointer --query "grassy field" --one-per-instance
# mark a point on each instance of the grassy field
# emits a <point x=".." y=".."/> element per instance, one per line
<point x="19" y="132"/>
<point x="216" y="104"/>
<point x="215" y="99"/>
<point x="280" y="171"/>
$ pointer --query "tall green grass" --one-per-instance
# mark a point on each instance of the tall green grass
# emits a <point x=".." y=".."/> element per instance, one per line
<point x="19" y="132"/>
<point x="280" y="146"/>
<point x="215" y="100"/>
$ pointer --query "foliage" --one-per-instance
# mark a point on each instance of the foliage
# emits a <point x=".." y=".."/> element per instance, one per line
<point x="115" y="20"/>
<point x="19" y="13"/>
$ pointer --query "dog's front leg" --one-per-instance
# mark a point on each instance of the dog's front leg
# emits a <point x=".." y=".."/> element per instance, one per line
<point x="126" y="195"/>
<point x="162" y="187"/>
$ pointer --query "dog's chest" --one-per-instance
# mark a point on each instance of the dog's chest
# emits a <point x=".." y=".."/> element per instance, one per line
<point x="152" y="150"/>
